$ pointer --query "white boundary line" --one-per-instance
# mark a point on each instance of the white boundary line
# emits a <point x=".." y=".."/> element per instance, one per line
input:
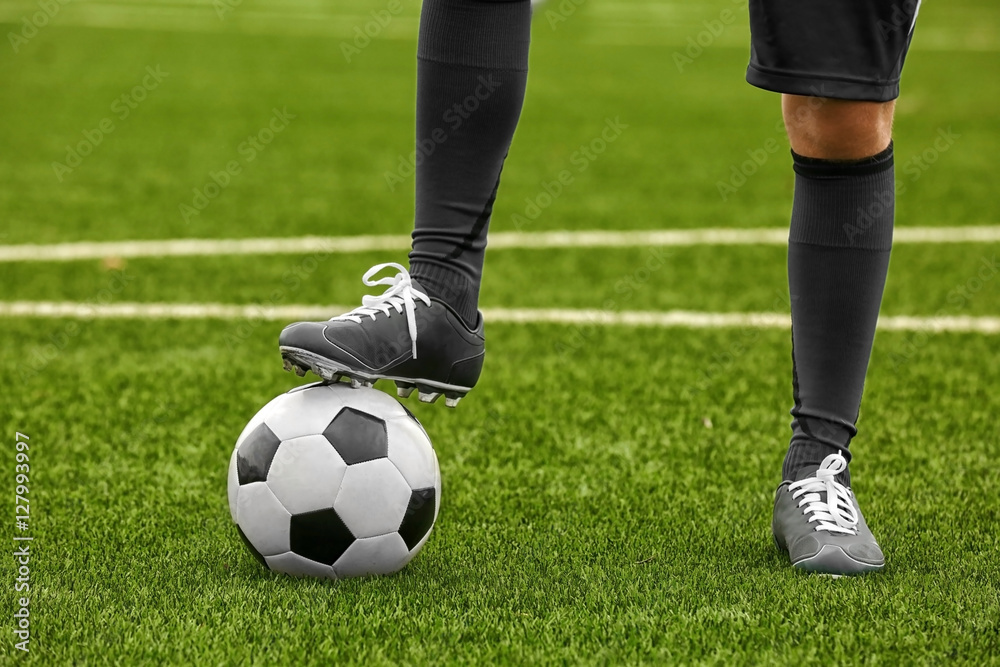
<point x="659" y="319"/>
<point x="62" y="252"/>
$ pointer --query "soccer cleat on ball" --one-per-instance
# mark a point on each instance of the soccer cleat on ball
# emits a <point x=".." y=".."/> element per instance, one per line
<point x="401" y="335"/>
<point x="817" y="521"/>
<point x="329" y="481"/>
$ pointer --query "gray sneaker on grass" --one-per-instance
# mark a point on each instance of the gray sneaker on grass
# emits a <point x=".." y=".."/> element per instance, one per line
<point x="817" y="521"/>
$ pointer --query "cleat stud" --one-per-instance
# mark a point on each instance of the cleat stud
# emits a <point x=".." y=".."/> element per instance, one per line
<point x="429" y="396"/>
<point x="368" y="383"/>
<point x="301" y="372"/>
<point x="452" y="402"/>
<point x="336" y="377"/>
<point x="286" y="364"/>
<point x="404" y="392"/>
<point x="356" y="383"/>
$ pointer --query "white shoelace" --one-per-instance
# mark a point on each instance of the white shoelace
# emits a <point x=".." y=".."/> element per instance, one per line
<point x="399" y="296"/>
<point x="836" y="514"/>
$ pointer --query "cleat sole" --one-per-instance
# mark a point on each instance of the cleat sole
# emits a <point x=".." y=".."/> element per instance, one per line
<point x="302" y="361"/>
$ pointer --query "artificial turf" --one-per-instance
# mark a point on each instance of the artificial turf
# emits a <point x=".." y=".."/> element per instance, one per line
<point x="606" y="490"/>
<point x="594" y="517"/>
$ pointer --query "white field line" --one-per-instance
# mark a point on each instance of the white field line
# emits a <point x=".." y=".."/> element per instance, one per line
<point x="659" y="319"/>
<point x="60" y="252"/>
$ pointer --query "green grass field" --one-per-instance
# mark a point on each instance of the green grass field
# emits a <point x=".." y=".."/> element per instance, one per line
<point x="606" y="505"/>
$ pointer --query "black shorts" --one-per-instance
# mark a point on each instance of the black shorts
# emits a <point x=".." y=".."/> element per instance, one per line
<point x="845" y="49"/>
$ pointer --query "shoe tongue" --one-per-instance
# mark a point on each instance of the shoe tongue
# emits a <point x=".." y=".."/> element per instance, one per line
<point x="803" y="473"/>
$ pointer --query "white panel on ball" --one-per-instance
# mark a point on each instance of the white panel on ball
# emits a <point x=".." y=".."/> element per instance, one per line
<point x="295" y="565"/>
<point x="233" y="485"/>
<point x="305" y="474"/>
<point x="263" y="519"/>
<point x="305" y="412"/>
<point x="383" y="554"/>
<point x="373" y="498"/>
<point x="411" y="452"/>
<point x="373" y="402"/>
<point x="437" y="487"/>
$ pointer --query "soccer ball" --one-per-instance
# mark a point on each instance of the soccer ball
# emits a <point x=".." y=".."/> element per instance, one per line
<point x="330" y="481"/>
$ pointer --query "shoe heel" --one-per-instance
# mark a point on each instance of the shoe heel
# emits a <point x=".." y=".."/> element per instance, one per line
<point x="465" y="373"/>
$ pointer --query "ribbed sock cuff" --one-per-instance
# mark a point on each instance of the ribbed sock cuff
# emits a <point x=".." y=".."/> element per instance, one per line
<point x="450" y="286"/>
<point x="844" y="204"/>
<point x="487" y="35"/>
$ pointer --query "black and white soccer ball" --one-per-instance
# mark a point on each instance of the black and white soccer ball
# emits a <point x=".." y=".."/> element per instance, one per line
<point x="330" y="481"/>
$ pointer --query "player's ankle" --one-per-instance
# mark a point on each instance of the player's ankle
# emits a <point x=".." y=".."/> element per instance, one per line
<point x="449" y="286"/>
<point x="803" y="453"/>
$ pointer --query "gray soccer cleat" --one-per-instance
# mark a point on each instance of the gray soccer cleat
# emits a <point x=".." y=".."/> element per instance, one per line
<point x="817" y="521"/>
<point x="402" y="335"/>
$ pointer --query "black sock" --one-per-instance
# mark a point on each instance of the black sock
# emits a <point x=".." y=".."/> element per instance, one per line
<point x="838" y="256"/>
<point x="472" y="70"/>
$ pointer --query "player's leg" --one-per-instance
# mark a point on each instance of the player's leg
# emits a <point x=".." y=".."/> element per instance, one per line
<point x="471" y="77"/>
<point x="838" y="256"/>
<point x="425" y="331"/>
<point x="838" y="81"/>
